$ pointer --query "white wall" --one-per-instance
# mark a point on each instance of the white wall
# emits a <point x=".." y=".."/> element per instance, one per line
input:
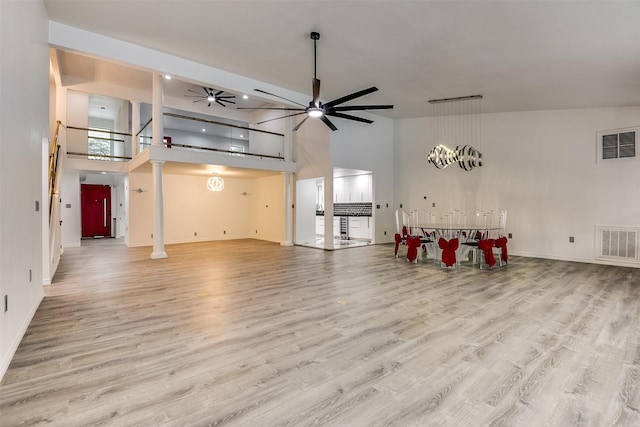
<point x="370" y="147"/>
<point x="313" y="160"/>
<point x="541" y="167"/>
<point x="70" y="209"/>
<point x="24" y="122"/>
<point x="267" y="208"/>
<point x="306" y="212"/>
<point x="77" y="115"/>
<point x="190" y="208"/>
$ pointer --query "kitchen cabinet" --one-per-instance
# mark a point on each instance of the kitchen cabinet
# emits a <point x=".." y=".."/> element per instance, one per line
<point x="356" y="188"/>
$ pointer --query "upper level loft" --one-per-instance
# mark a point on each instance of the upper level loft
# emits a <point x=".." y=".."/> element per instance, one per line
<point x="106" y="110"/>
<point x="106" y="133"/>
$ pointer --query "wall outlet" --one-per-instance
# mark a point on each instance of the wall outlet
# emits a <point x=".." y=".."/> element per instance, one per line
<point x="256" y="231"/>
<point x="30" y="275"/>
<point x="572" y="239"/>
<point x="195" y="233"/>
<point x="6" y="303"/>
<point x="224" y="232"/>
<point x="385" y="233"/>
<point x="37" y="206"/>
<point x="433" y="205"/>
<point x="511" y="235"/>
<point x="152" y="235"/>
<point x="400" y="205"/>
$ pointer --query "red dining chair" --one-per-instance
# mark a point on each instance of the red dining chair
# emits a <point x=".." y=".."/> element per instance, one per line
<point x="485" y="248"/>
<point x="449" y="248"/>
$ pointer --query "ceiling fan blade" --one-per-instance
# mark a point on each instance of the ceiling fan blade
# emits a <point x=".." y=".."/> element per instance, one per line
<point x="271" y="108"/>
<point x="220" y="103"/>
<point x="198" y="100"/>
<point x="209" y="105"/>
<point x="226" y="96"/>
<point x="328" y="123"/>
<point x="362" y="107"/>
<point x="225" y="100"/>
<point x="278" y="96"/>
<point x="219" y="93"/>
<point x="349" y="117"/>
<point x="351" y="96"/>
<point x="300" y="124"/>
<point x="193" y="91"/>
<point x="278" y="118"/>
<point x="316" y="92"/>
<point x="209" y="91"/>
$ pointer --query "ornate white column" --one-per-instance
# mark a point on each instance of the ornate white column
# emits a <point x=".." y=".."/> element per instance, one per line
<point x="157" y="137"/>
<point x="288" y="225"/>
<point x="135" y="128"/>
<point x="157" y="124"/>
<point x="287" y="149"/>
<point x="328" y="210"/>
<point x="158" y="211"/>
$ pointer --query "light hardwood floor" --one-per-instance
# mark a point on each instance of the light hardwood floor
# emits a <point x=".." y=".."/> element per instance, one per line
<point x="249" y="333"/>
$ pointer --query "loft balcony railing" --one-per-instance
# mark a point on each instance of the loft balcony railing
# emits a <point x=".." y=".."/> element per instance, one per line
<point x="98" y="144"/>
<point x="196" y="133"/>
<point x="180" y="132"/>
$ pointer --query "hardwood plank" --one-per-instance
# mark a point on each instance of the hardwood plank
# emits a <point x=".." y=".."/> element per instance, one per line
<point x="253" y="333"/>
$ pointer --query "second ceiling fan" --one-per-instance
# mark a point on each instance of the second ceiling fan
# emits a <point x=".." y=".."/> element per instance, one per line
<point x="317" y="109"/>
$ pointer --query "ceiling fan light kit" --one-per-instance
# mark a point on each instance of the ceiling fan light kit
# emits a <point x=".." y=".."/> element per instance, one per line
<point x="316" y="108"/>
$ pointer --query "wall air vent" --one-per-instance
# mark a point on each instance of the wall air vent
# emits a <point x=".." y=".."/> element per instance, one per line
<point x="617" y="144"/>
<point x="619" y="243"/>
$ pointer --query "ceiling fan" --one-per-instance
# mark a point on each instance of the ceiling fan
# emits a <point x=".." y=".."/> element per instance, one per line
<point x="211" y="96"/>
<point x="320" y="110"/>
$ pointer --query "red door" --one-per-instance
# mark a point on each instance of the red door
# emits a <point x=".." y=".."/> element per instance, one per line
<point x="95" y="201"/>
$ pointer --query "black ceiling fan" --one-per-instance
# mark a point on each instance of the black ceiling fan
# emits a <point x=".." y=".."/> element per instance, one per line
<point x="211" y="95"/>
<point x="320" y="110"/>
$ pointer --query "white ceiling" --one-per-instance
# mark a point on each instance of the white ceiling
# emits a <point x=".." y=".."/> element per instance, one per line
<point x="521" y="55"/>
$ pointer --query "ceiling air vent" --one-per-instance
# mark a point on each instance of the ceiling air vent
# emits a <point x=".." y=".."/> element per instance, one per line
<point x="617" y="144"/>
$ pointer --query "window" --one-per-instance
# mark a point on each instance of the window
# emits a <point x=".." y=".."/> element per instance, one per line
<point x="99" y="144"/>
<point x="617" y="144"/>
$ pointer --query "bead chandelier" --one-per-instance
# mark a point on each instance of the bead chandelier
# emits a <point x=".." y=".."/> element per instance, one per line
<point x="215" y="183"/>
<point x="456" y="124"/>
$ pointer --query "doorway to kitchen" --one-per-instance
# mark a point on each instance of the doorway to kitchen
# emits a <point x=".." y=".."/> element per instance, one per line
<point x="351" y="203"/>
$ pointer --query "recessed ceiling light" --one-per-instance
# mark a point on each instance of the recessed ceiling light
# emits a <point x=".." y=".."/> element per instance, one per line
<point x="204" y="130"/>
<point x="245" y="96"/>
<point x="167" y="77"/>
<point x="103" y="173"/>
<point x="241" y="136"/>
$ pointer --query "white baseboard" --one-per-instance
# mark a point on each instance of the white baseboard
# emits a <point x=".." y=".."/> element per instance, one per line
<point x="6" y="360"/>
<point x="612" y="262"/>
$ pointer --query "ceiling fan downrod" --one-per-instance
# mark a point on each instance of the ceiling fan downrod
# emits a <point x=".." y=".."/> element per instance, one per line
<point x="315" y="36"/>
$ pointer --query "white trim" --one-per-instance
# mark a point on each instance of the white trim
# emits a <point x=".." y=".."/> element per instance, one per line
<point x="612" y="262"/>
<point x="4" y="365"/>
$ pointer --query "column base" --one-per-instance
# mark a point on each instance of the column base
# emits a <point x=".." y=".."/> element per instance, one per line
<point x="158" y="255"/>
<point x="286" y="243"/>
